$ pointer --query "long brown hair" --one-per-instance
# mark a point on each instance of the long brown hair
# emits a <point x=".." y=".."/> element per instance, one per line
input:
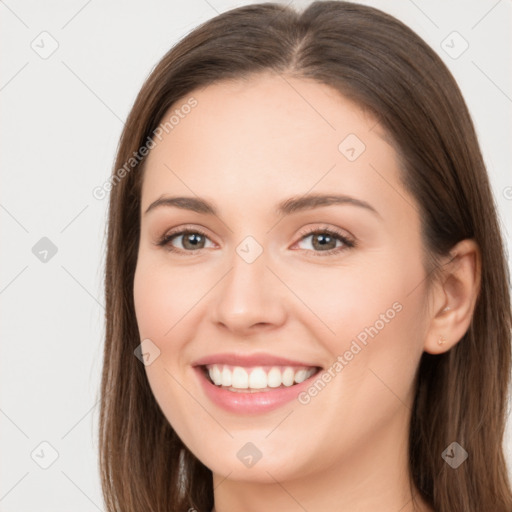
<point x="383" y="66"/>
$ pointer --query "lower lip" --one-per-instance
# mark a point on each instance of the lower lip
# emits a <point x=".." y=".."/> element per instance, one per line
<point x="251" y="402"/>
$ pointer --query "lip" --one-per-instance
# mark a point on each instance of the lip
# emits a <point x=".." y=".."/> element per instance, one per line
<point x="254" y="402"/>
<point x="247" y="360"/>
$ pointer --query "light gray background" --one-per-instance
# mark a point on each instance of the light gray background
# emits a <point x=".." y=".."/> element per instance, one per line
<point x="61" y="120"/>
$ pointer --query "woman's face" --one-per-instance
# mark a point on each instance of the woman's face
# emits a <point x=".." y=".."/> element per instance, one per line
<point x="303" y="261"/>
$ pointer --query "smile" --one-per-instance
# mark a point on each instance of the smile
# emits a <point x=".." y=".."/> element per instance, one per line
<point x="251" y="384"/>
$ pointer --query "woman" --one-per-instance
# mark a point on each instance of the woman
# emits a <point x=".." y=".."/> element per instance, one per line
<point x="302" y="253"/>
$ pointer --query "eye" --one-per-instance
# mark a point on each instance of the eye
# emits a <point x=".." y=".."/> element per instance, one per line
<point x="192" y="240"/>
<point x="326" y="241"/>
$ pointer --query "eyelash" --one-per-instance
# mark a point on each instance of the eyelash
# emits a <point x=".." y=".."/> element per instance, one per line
<point x="348" y="243"/>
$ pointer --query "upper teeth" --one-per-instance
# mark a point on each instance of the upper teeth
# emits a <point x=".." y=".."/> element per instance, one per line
<point x="257" y="377"/>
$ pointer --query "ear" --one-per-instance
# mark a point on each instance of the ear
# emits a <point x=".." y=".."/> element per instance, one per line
<point x="453" y="298"/>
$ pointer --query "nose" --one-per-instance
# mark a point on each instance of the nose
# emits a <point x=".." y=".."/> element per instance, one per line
<point x="249" y="298"/>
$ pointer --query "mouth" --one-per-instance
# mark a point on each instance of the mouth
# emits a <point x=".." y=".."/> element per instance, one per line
<point x="252" y="384"/>
<point x="256" y="379"/>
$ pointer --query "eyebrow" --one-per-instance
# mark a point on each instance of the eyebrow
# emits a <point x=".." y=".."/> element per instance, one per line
<point x="287" y="207"/>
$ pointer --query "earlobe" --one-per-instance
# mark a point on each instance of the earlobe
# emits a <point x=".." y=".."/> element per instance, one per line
<point x="454" y="298"/>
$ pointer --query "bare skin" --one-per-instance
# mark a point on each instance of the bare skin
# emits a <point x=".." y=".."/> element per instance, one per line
<point x="246" y="147"/>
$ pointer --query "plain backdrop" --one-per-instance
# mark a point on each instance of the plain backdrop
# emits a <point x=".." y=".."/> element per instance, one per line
<point x="70" y="72"/>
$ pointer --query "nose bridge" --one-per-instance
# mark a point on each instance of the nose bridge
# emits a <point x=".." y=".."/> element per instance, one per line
<point x="248" y="294"/>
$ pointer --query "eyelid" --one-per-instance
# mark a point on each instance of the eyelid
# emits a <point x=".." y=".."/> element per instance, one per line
<point x="186" y="228"/>
<point x="325" y="228"/>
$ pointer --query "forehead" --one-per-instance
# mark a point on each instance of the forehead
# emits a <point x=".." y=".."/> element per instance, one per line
<point x="266" y="137"/>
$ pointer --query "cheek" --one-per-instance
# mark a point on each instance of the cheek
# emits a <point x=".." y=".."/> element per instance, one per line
<point x="376" y="312"/>
<point x="372" y="376"/>
<point x="161" y="296"/>
<point x="383" y="375"/>
<point x="150" y="306"/>
<point x="360" y="301"/>
<point x="159" y="305"/>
